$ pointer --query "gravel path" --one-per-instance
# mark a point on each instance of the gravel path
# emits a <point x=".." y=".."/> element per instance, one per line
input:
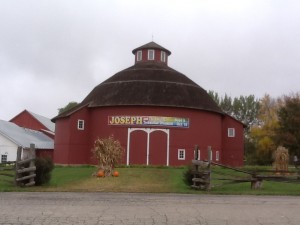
<point x="49" y="208"/>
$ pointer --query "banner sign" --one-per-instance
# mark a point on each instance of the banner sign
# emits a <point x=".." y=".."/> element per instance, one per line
<point x="148" y="121"/>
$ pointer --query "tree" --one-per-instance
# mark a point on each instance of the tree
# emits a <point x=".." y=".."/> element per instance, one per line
<point x="263" y="133"/>
<point x="108" y="152"/>
<point x="226" y="105"/>
<point x="69" y="106"/>
<point x="289" y="123"/>
<point x="243" y="108"/>
<point x="215" y="96"/>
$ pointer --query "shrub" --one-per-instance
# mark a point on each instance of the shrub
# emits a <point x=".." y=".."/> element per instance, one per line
<point x="44" y="167"/>
<point x="188" y="175"/>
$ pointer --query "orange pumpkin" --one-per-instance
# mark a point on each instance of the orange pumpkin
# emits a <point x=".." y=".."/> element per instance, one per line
<point x="100" y="173"/>
<point x="116" y="174"/>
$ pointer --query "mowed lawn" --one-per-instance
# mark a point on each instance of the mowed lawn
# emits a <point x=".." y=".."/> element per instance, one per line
<point x="150" y="180"/>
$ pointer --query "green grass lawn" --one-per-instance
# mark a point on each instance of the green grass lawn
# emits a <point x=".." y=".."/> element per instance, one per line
<point x="148" y="179"/>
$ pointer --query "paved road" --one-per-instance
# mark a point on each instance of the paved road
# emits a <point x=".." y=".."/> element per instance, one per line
<point x="149" y="209"/>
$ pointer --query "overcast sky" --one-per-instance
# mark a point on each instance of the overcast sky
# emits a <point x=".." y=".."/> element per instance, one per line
<point x="56" y="51"/>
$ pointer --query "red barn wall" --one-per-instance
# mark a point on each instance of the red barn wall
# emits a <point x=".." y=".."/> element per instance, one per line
<point x="233" y="147"/>
<point x="25" y="119"/>
<point x="61" y="141"/>
<point x="43" y="153"/>
<point x="79" y="139"/>
<point x="73" y="146"/>
<point x="204" y="130"/>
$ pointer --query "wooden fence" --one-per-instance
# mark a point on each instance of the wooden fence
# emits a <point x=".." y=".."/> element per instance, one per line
<point x="24" y="169"/>
<point x="6" y="167"/>
<point x="202" y="171"/>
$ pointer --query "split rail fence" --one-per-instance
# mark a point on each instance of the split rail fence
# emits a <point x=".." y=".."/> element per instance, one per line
<point x="24" y="169"/>
<point x="204" y="174"/>
<point x="201" y="172"/>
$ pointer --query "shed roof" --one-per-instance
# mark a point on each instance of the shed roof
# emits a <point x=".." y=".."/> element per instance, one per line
<point x="24" y="136"/>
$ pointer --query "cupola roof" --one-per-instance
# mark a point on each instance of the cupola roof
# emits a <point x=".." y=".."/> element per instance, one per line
<point x="151" y="45"/>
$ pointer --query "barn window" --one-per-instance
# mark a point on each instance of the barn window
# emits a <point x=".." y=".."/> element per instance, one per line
<point x="231" y="132"/>
<point x="151" y="54"/>
<point x="3" y="158"/>
<point x="163" y="56"/>
<point x="80" y="125"/>
<point x="181" y="154"/>
<point x="217" y="156"/>
<point x="139" y="56"/>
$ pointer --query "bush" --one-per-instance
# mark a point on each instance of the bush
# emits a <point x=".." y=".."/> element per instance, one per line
<point x="188" y="175"/>
<point x="44" y="167"/>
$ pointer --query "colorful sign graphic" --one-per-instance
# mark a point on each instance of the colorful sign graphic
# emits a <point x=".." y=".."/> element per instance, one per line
<point x="148" y="121"/>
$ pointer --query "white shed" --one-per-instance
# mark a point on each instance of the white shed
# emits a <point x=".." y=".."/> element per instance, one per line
<point x="12" y="136"/>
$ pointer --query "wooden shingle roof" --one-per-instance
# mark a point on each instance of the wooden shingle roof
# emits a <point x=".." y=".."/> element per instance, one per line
<point x="148" y="84"/>
<point x="151" y="45"/>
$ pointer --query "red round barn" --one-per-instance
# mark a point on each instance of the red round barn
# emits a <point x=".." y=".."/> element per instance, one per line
<point x="157" y="113"/>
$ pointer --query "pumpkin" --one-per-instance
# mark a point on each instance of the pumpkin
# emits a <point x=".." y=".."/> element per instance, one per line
<point x="116" y="174"/>
<point x="100" y="173"/>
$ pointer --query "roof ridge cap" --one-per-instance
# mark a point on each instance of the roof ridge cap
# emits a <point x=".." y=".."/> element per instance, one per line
<point x="153" y="81"/>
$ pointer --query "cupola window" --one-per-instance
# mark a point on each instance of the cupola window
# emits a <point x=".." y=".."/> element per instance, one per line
<point x="150" y="54"/>
<point x="139" y="56"/>
<point x="163" y="56"/>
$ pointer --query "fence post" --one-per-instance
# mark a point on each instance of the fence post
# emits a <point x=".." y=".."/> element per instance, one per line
<point x="201" y="173"/>
<point x="23" y="171"/>
<point x="209" y="156"/>
<point x="196" y="152"/>
<point x="32" y="164"/>
<point x="19" y="154"/>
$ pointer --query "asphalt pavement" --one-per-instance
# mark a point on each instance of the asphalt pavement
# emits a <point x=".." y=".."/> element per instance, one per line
<point x="47" y="208"/>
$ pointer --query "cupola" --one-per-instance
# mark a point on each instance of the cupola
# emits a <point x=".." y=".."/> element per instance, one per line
<point x="151" y="52"/>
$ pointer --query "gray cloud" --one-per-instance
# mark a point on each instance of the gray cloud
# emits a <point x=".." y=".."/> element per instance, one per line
<point x="53" y="52"/>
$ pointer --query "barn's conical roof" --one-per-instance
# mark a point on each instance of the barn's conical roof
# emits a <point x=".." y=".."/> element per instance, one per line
<point x="150" y="83"/>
